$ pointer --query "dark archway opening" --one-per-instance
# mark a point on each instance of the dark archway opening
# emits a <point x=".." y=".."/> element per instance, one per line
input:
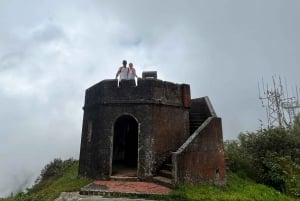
<point x="125" y="147"/>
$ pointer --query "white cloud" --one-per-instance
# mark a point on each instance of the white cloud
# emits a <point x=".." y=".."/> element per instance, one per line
<point x="52" y="51"/>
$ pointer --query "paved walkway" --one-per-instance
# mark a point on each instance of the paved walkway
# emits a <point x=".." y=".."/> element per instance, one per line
<point x="95" y="191"/>
<point x="134" y="187"/>
<point x="74" y="196"/>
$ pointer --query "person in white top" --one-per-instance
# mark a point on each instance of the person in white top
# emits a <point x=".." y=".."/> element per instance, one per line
<point x="132" y="72"/>
<point x="123" y="71"/>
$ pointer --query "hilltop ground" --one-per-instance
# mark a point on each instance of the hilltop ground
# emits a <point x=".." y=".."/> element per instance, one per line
<point x="239" y="188"/>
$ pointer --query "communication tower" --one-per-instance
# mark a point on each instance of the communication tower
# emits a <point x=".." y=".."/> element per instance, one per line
<point x="280" y="108"/>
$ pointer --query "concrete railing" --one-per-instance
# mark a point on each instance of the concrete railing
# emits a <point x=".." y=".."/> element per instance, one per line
<point x="201" y="158"/>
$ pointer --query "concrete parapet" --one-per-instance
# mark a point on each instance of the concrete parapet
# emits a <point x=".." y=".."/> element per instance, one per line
<point x="127" y="83"/>
<point x="147" y="91"/>
<point x="201" y="158"/>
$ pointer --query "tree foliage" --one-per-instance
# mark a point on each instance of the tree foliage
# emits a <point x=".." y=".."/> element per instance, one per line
<point x="269" y="156"/>
<point x="56" y="177"/>
<point x="52" y="171"/>
<point x="55" y="168"/>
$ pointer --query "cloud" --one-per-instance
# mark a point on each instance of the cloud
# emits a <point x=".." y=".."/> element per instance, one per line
<point x="47" y="32"/>
<point x="50" y="53"/>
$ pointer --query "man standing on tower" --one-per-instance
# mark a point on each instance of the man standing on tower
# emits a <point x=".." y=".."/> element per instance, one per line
<point x="123" y="71"/>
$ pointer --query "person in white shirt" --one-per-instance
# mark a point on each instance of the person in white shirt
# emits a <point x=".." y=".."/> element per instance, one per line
<point x="132" y="72"/>
<point x="123" y="71"/>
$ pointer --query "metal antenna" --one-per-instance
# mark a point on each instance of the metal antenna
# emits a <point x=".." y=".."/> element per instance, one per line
<point x="280" y="108"/>
<point x="297" y="95"/>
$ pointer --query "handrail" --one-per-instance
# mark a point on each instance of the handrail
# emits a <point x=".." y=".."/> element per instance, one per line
<point x="194" y="135"/>
<point x="212" y="171"/>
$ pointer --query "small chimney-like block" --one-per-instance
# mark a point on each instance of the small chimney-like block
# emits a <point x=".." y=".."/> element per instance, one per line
<point x="149" y="74"/>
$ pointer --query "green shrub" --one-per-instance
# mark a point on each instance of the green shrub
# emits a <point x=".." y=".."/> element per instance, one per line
<point x="269" y="156"/>
<point x="55" y="169"/>
<point x="56" y="177"/>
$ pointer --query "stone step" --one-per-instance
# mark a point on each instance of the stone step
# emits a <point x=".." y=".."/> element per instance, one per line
<point x="197" y="120"/>
<point x="123" y="178"/>
<point x="163" y="181"/>
<point x="167" y="166"/>
<point x="165" y="173"/>
<point x="197" y="114"/>
<point x="196" y="125"/>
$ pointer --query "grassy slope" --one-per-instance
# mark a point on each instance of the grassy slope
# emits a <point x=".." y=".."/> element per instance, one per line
<point x="51" y="189"/>
<point x="238" y="189"/>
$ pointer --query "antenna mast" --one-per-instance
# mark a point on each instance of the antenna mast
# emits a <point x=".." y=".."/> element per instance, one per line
<point x="281" y="110"/>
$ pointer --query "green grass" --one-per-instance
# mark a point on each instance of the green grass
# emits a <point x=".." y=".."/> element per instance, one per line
<point x="50" y="189"/>
<point x="238" y="188"/>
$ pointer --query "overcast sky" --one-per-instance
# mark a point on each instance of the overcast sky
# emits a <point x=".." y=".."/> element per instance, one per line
<point x="52" y="50"/>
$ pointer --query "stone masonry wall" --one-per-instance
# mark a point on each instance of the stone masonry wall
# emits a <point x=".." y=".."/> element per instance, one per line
<point x="160" y="108"/>
<point x="201" y="159"/>
<point x="170" y="130"/>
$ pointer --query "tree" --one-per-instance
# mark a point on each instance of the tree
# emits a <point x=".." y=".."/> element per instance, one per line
<point x="270" y="156"/>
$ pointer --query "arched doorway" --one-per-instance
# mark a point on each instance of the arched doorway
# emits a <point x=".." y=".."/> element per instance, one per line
<point x="125" y="147"/>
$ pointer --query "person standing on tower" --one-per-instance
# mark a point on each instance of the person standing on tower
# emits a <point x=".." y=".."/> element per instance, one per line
<point x="132" y="72"/>
<point x="123" y="71"/>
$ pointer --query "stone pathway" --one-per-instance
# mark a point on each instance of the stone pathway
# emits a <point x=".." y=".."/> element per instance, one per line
<point x="124" y="188"/>
<point x="134" y="187"/>
<point x="74" y="196"/>
<point x="95" y="191"/>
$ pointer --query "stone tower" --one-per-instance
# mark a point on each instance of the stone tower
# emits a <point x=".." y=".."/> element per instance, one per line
<point x="145" y="127"/>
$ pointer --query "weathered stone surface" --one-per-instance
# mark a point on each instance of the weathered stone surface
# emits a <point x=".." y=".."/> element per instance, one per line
<point x="75" y="196"/>
<point x="160" y="110"/>
<point x="141" y="124"/>
<point x="149" y="74"/>
<point x="201" y="158"/>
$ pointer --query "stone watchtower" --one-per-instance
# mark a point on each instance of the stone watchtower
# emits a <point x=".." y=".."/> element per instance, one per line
<point x="152" y="127"/>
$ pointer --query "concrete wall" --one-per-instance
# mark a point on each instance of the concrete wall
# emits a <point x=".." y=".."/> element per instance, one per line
<point x="146" y="91"/>
<point x="162" y="111"/>
<point x="170" y="131"/>
<point x="160" y="108"/>
<point x="201" y="158"/>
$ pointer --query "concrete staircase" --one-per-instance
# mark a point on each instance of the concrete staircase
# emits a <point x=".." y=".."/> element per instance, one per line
<point x="196" y="119"/>
<point x="200" y="111"/>
<point x="164" y="175"/>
